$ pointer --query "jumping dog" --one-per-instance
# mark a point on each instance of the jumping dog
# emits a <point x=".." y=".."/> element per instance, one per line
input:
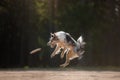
<point x="65" y="44"/>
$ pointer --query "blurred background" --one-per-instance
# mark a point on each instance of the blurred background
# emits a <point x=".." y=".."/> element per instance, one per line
<point x="26" y="25"/>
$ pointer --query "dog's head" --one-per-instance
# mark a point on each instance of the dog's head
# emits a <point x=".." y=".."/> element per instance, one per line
<point x="53" y="40"/>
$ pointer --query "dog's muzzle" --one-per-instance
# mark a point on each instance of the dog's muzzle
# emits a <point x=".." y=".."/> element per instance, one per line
<point x="48" y="44"/>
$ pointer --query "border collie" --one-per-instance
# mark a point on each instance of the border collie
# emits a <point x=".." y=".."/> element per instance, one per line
<point x="65" y="44"/>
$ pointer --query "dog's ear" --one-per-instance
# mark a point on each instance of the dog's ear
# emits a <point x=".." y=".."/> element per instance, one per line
<point x="55" y="36"/>
<point x="52" y="34"/>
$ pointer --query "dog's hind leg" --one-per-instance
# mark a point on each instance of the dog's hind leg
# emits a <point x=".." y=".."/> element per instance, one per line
<point x="70" y="55"/>
<point x="66" y="63"/>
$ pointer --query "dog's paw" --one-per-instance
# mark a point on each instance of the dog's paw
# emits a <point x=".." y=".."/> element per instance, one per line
<point x="63" y="65"/>
<point x="52" y="55"/>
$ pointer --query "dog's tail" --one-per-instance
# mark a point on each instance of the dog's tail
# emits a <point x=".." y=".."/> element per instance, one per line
<point x="81" y="42"/>
<point x="80" y="47"/>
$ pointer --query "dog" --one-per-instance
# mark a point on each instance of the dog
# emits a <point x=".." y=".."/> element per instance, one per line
<point x="65" y="44"/>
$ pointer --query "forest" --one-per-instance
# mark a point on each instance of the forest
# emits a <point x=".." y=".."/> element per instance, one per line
<point x="26" y="25"/>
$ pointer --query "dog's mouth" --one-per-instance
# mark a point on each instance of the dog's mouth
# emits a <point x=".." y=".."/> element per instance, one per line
<point x="48" y="44"/>
<point x="51" y="45"/>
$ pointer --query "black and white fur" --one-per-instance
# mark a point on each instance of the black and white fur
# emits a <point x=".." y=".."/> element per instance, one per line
<point x="68" y="40"/>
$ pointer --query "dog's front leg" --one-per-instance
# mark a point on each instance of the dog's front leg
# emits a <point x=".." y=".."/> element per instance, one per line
<point x="56" y="51"/>
<point x="63" y="52"/>
<point x="67" y="59"/>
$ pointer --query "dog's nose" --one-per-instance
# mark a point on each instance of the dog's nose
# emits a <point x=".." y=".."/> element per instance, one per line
<point x="48" y="43"/>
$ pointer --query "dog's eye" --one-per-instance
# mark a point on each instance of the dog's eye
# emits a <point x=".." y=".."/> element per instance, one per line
<point x="52" y="36"/>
